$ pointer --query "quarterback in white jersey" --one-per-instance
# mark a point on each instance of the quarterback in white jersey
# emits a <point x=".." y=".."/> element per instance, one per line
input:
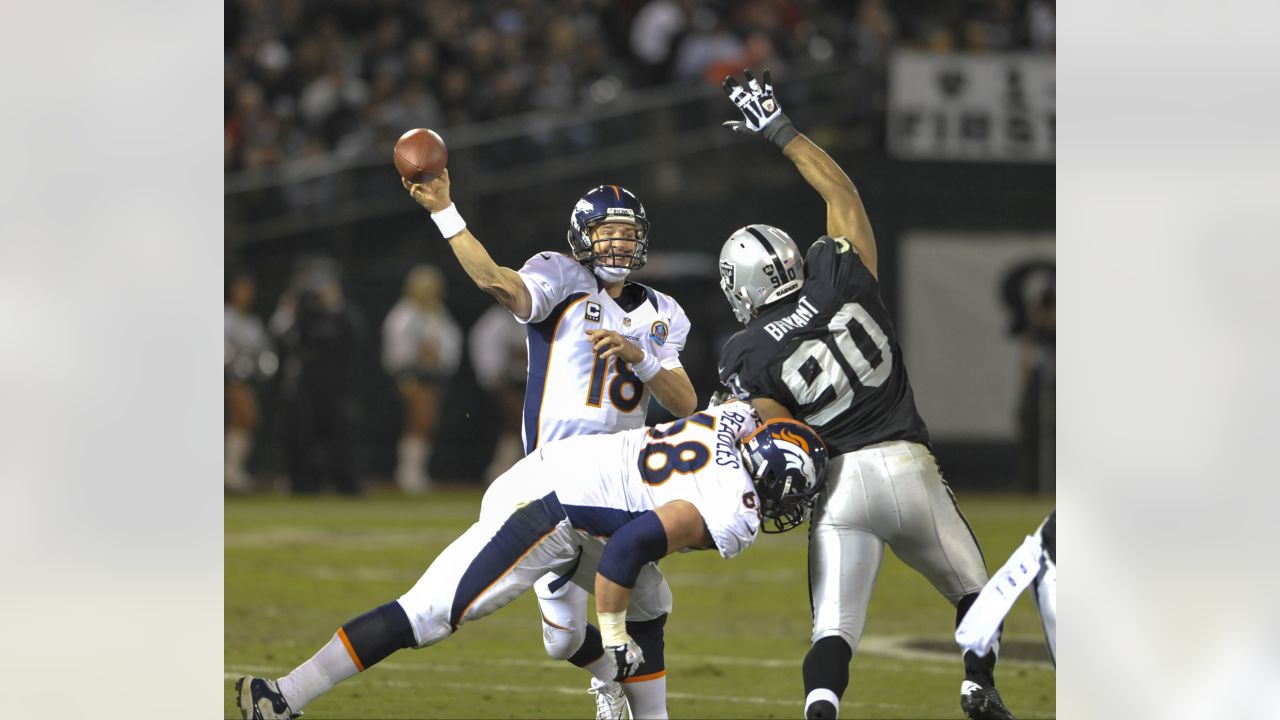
<point x="598" y="347"/>
<point x="617" y="504"/>
<point x="572" y="390"/>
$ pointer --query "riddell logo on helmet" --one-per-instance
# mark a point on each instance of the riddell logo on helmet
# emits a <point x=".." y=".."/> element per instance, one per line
<point x="623" y="212"/>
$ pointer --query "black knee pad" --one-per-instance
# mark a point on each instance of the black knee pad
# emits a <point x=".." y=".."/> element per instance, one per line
<point x="378" y="633"/>
<point x="591" y="650"/>
<point x="648" y="634"/>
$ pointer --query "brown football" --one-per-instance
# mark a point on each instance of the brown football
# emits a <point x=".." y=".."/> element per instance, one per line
<point x="420" y="155"/>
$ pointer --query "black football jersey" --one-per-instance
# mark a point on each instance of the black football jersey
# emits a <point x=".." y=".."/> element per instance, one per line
<point x="829" y="354"/>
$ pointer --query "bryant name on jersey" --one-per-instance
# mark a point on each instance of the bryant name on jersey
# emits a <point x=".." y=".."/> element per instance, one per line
<point x="831" y="357"/>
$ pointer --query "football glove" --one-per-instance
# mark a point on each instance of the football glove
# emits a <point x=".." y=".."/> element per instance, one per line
<point x="762" y="115"/>
<point x="628" y="657"/>
<point x="719" y="397"/>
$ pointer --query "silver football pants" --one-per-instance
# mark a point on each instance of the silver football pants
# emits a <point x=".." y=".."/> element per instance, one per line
<point x="888" y="493"/>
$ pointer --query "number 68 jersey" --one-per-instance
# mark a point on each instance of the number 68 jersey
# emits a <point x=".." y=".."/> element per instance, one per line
<point x="605" y="481"/>
<point x="570" y="390"/>
<point x="829" y="355"/>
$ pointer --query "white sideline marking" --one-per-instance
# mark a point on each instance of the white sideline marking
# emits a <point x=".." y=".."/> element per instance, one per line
<point x="356" y="539"/>
<point x="562" y="690"/>
<point x="895" y="646"/>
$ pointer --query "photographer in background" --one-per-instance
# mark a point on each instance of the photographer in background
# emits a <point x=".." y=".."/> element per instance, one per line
<point x="319" y="334"/>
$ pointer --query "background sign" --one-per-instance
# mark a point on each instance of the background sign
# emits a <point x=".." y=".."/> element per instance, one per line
<point x="955" y="320"/>
<point x="990" y="107"/>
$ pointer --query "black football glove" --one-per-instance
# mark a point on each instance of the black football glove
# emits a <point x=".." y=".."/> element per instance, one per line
<point x="628" y="657"/>
<point x="760" y="109"/>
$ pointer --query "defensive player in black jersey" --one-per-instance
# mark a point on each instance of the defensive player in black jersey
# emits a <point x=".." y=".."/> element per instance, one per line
<point x="819" y="346"/>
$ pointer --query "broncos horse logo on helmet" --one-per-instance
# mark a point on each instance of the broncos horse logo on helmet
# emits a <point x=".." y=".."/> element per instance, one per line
<point x="605" y="204"/>
<point x="788" y="465"/>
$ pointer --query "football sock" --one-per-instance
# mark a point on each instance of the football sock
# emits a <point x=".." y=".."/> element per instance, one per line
<point x="238" y="444"/>
<point x="315" y="677"/>
<point x="821" y="704"/>
<point x="827" y="667"/>
<point x="411" y="464"/>
<point x="647" y="698"/>
<point x="602" y="668"/>
<point x="978" y="669"/>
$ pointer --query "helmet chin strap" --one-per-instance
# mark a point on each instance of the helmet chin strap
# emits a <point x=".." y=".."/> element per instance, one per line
<point x="610" y="274"/>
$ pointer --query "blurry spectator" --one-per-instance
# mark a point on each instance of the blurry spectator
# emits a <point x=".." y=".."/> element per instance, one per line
<point x="421" y="346"/>
<point x="656" y="32"/>
<point x="990" y="25"/>
<point x="710" y="42"/>
<point x="757" y="52"/>
<point x="874" y="33"/>
<point x="1037" y="409"/>
<point x="246" y="359"/>
<point x="499" y="356"/>
<point x="319" y="335"/>
<point x="1041" y="25"/>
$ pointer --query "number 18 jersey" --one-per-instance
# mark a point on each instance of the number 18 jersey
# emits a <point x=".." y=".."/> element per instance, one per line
<point x="829" y="355"/>
<point x="571" y="391"/>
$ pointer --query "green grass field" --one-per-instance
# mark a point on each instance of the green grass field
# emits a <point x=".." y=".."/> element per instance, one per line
<point x="297" y="569"/>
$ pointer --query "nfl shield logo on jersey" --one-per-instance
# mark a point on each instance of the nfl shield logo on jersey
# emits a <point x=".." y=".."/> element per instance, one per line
<point x="658" y="332"/>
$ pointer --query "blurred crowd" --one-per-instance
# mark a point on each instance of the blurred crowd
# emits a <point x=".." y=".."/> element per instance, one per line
<point x="311" y="77"/>
<point x="302" y="362"/>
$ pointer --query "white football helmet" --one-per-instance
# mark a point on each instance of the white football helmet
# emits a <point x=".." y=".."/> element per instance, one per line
<point x="759" y="264"/>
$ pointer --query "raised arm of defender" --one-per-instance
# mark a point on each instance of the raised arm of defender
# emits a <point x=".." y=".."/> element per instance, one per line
<point x="503" y="283"/>
<point x="846" y="216"/>
<point x="763" y="116"/>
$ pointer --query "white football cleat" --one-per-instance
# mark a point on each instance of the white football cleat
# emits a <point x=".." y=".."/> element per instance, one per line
<point x="611" y="702"/>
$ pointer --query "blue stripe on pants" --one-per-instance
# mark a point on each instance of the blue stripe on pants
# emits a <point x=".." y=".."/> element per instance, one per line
<point x="524" y="529"/>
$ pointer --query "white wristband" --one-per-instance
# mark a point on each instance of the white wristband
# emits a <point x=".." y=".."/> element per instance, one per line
<point x="449" y="221"/>
<point x="613" y="628"/>
<point x="646" y="368"/>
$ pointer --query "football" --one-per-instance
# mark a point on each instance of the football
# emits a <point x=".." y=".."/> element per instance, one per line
<point x="420" y="155"/>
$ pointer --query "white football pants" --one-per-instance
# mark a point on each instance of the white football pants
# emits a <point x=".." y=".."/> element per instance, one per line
<point x="513" y="544"/>
<point x="887" y="493"/>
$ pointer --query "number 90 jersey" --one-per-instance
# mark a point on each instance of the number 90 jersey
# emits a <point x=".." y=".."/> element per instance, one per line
<point x="829" y="355"/>
<point x="570" y="390"/>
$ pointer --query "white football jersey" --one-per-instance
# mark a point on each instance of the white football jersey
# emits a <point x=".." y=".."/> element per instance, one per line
<point x="604" y="481"/>
<point x="571" y="392"/>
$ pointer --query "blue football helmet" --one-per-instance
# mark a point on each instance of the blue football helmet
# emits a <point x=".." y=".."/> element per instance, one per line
<point x="608" y="203"/>
<point x="787" y="462"/>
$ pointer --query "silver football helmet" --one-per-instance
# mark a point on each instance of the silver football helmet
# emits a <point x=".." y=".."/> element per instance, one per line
<point x="759" y="264"/>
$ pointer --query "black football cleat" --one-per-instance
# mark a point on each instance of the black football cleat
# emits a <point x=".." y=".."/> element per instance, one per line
<point x="260" y="699"/>
<point x="982" y="703"/>
<point x="820" y="710"/>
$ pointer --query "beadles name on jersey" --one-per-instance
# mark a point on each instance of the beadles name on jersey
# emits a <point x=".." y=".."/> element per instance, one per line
<point x="604" y="481"/>
<point x="571" y="390"/>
